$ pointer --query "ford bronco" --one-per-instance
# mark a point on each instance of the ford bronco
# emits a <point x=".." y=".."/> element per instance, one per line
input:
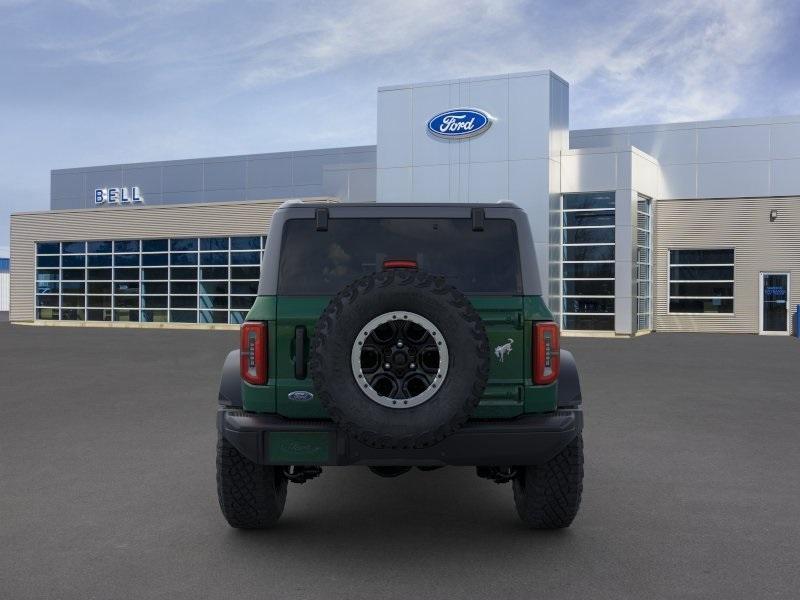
<point x="396" y="336"/>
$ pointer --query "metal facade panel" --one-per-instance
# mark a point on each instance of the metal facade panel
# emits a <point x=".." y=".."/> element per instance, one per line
<point x="67" y="185"/>
<point x="493" y="96"/>
<point x="394" y="130"/>
<point x="733" y="179"/>
<point x="269" y="172"/>
<point x="667" y="147"/>
<point x="228" y="219"/>
<point x="678" y="181"/>
<point x="785" y="140"/>
<point x="4" y="291"/>
<point x="759" y="245"/>
<point x="147" y="179"/>
<point x="183" y="178"/>
<point x="729" y="144"/>
<point x="226" y="175"/>
<point x="785" y="177"/>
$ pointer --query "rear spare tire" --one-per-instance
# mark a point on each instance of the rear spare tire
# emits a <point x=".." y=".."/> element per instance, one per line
<point x="400" y="359"/>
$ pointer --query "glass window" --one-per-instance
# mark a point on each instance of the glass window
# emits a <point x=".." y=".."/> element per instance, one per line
<point x="155" y="301"/>
<point x="73" y="287"/>
<point x="585" y="218"/>
<point x="47" y="287"/>
<point x="154" y="260"/>
<point x="154" y="245"/>
<point x="103" y="287"/>
<point x="73" y="247"/>
<point x="73" y="260"/>
<point x="126" y="245"/>
<point x="589" y="322"/>
<point x="126" y="274"/>
<point x="245" y="258"/>
<point x="154" y="287"/>
<point x="73" y="314"/>
<point x="126" y="315"/>
<point x="98" y="301"/>
<point x="604" y="235"/>
<point x="155" y="316"/>
<point x="46" y="300"/>
<point x="242" y="301"/>
<point x="589" y="270"/>
<point x="72" y="301"/>
<point x="99" y="247"/>
<point x="183" y="316"/>
<point x="73" y="274"/>
<point x="214" y="258"/>
<point x="213" y="316"/>
<point x="183" y="287"/>
<point x="126" y="287"/>
<point x="588" y="254"/>
<point x="183" y="258"/>
<point x="246" y="243"/>
<point x="214" y="272"/>
<point x="126" y="301"/>
<point x="244" y="287"/>
<point x="218" y="243"/>
<point x="183" y="273"/>
<point x="47" y="261"/>
<point x="47" y="247"/>
<point x="246" y="273"/>
<point x="476" y="262"/>
<point x="126" y="260"/>
<point x="237" y="317"/>
<point x="642" y="266"/>
<point x="214" y="287"/>
<point x="701" y="281"/>
<point x="216" y="302"/>
<point x="48" y="314"/>
<point x="99" y="274"/>
<point x="100" y="260"/>
<point x="183" y="244"/>
<point x="183" y="301"/>
<point x="98" y="314"/>
<point x="155" y="274"/>
<point x="589" y="201"/>
<point x="47" y="274"/>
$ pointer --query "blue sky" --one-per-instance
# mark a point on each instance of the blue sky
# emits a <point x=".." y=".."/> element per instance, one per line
<point x="93" y="82"/>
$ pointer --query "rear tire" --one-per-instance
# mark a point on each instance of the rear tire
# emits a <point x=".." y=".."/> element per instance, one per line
<point x="251" y="496"/>
<point x="548" y="496"/>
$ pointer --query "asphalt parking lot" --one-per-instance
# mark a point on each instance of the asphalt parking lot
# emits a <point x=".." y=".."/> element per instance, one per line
<point x="107" y="487"/>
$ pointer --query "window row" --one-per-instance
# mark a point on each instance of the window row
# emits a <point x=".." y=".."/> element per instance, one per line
<point x="119" y="301"/>
<point x="233" y="317"/>
<point x="155" y="245"/>
<point x="149" y="287"/>
<point x="147" y="274"/>
<point x="148" y="260"/>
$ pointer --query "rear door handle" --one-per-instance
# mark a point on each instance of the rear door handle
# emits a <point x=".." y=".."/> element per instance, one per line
<point x="300" y="352"/>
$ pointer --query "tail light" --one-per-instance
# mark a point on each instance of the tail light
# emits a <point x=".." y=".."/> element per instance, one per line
<point x="546" y="353"/>
<point x="253" y="352"/>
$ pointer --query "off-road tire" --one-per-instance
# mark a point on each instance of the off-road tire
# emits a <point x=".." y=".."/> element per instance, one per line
<point x="431" y="297"/>
<point x="251" y="496"/>
<point x="548" y="496"/>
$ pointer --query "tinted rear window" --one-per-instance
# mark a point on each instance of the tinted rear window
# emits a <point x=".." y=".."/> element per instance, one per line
<point x="323" y="262"/>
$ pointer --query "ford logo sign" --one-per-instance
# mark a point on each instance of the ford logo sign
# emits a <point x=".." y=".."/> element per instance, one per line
<point x="300" y="396"/>
<point x="459" y="123"/>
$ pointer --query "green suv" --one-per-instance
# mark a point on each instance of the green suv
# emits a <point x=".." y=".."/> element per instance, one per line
<point x="396" y="336"/>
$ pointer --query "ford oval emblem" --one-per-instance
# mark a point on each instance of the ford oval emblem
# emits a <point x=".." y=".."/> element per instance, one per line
<point x="459" y="123"/>
<point x="300" y="396"/>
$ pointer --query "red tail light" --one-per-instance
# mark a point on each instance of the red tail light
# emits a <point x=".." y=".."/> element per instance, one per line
<point x="399" y="264"/>
<point x="546" y="353"/>
<point x="253" y="352"/>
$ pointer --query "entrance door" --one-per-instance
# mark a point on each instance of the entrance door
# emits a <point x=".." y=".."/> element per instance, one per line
<point x="774" y="296"/>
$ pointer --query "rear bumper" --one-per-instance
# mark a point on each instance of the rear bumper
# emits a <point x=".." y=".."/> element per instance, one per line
<point x="526" y="440"/>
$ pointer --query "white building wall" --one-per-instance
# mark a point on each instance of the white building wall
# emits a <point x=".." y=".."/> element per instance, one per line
<point x="4" y="283"/>
<point x="713" y="159"/>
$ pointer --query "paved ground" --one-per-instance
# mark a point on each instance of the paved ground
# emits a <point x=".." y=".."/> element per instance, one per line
<point x="107" y="484"/>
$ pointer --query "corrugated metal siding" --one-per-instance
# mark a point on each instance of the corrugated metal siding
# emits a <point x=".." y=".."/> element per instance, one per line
<point x="229" y="218"/>
<point x="3" y="291"/>
<point x="742" y="224"/>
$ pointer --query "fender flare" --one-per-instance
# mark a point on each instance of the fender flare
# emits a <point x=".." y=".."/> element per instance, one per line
<point x="230" y="386"/>
<point x="569" y="384"/>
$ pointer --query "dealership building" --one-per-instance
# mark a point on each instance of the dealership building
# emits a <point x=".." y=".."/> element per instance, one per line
<point x="672" y="227"/>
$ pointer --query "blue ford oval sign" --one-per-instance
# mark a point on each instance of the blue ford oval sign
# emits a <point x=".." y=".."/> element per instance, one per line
<point x="460" y="123"/>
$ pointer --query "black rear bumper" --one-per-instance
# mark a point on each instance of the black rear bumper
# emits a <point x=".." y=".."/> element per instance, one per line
<point x="526" y="440"/>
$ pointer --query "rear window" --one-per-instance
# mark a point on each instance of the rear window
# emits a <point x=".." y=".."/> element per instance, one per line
<point x="323" y="262"/>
